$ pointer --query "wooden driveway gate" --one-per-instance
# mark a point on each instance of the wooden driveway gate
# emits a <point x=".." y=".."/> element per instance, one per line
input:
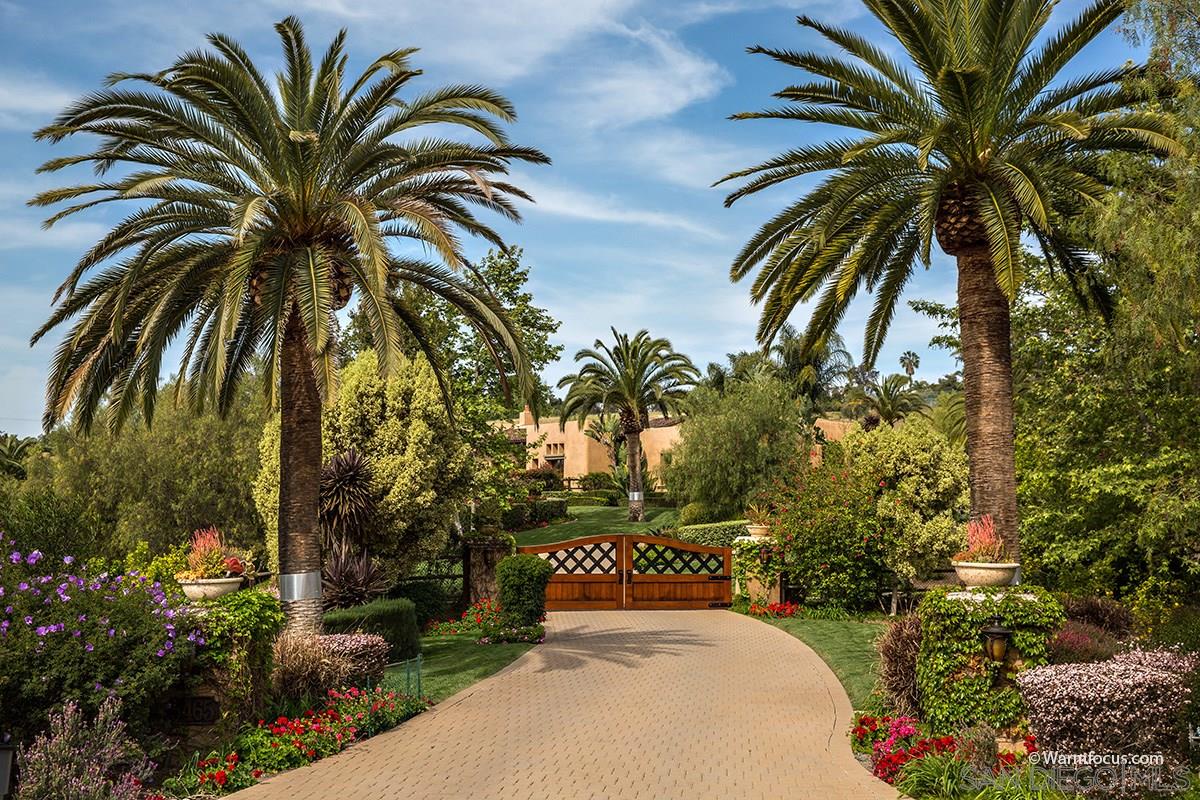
<point x="634" y="572"/>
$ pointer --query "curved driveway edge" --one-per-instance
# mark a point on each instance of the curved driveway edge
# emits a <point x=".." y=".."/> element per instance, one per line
<point x="616" y="704"/>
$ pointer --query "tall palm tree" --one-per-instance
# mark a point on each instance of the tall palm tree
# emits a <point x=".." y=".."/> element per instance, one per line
<point x="814" y="370"/>
<point x="630" y="379"/>
<point x="260" y="211"/>
<point x="891" y="399"/>
<point x="13" y="452"/>
<point x="971" y="136"/>
<point x="909" y="361"/>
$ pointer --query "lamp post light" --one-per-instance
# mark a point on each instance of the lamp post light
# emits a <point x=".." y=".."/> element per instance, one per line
<point x="995" y="640"/>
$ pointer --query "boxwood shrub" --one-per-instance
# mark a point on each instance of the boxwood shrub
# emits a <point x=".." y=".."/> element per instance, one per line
<point x="713" y="534"/>
<point x="546" y="511"/>
<point x="393" y="619"/>
<point x="522" y="583"/>
<point x="515" y="517"/>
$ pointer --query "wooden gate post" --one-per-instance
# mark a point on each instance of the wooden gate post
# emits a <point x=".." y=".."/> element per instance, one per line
<point x="479" y="566"/>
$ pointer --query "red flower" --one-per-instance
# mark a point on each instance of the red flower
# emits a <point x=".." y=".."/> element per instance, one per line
<point x="220" y="777"/>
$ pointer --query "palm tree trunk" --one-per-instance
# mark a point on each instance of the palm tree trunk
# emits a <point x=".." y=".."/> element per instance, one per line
<point x="633" y="457"/>
<point x="984" y="319"/>
<point x="299" y="482"/>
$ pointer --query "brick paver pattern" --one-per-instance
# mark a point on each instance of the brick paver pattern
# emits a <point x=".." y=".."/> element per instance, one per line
<point x="618" y="704"/>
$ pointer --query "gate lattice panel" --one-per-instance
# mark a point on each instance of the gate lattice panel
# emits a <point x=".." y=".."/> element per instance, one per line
<point x="630" y="571"/>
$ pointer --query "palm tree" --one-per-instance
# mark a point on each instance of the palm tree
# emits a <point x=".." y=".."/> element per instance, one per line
<point x="948" y="417"/>
<point x="972" y="137"/>
<point x="891" y="399"/>
<point x="260" y="211"/>
<point x="815" y="371"/>
<point x="630" y="379"/>
<point x="909" y="361"/>
<point x="13" y="452"/>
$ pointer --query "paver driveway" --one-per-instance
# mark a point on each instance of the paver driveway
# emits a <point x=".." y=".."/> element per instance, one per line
<point x="616" y="704"/>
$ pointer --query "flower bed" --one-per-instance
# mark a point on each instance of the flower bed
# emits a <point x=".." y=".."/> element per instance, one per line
<point x="289" y="742"/>
<point x="775" y="610"/>
<point x="486" y="621"/>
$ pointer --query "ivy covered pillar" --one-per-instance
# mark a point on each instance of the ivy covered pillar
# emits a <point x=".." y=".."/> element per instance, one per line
<point x="959" y="683"/>
<point x="757" y="570"/>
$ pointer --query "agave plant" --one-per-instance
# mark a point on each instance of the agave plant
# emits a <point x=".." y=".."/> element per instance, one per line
<point x="351" y="577"/>
<point x="347" y="499"/>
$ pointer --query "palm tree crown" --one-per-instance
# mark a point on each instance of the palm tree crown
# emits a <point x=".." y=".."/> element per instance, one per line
<point x="909" y="361"/>
<point x="630" y="379"/>
<point x="977" y="145"/>
<point x="254" y="202"/>
<point x="891" y="399"/>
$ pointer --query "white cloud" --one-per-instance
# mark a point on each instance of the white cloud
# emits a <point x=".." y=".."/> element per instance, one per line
<point x="26" y="232"/>
<point x="650" y="75"/>
<point x="566" y="201"/>
<point x="684" y="158"/>
<point x="493" y="42"/>
<point x="29" y="100"/>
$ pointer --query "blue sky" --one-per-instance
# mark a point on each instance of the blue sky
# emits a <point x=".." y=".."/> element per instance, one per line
<point x="629" y="98"/>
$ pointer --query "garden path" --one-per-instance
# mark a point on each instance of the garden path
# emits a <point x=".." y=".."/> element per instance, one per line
<point x="618" y="704"/>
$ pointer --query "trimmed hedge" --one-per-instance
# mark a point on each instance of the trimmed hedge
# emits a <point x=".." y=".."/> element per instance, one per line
<point x="515" y="518"/>
<point x="431" y="598"/>
<point x="596" y="480"/>
<point x="713" y="534"/>
<point x="394" y="620"/>
<point x="546" y="510"/>
<point x="522" y="581"/>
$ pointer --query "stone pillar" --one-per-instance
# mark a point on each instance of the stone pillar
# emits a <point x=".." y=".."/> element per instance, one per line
<point x="754" y="588"/>
<point x="479" y="566"/>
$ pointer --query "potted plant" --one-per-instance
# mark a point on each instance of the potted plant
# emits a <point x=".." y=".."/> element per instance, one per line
<point x="757" y="516"/>
<point x="213" y="569"/>
<point x="982" y="563"/>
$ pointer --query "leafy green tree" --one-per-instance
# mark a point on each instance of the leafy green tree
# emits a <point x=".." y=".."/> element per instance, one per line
<point x="157" y="484"/>
<point x="630" y="379"/>
<point x="733" y="445"/>
<point x="260" y="211"/>
<point x="976" y="137"/>
<point x="420" y="468"/>
<point x="948" y="417"/>
<point x="922" y="495"/>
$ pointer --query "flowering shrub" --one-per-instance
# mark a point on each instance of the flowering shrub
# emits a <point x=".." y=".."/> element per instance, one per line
<point x="825" y="536"/>
<point x="84" y="761"/>
<point x="776" y="610"/>
<point x="1079" y="643"/>
<point x="71" y="634"/>
<point x="289" y="742"/>
<point x="1132" y="703"/>
<point x="508" y="632"/>
<point x="482" y="614"/>
<point x="894" y="742"/>
<point x="983" y="544"/>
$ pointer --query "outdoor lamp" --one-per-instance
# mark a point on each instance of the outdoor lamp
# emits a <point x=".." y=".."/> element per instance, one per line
<point x="995" y="640"/>
<point x="7" y="749"/>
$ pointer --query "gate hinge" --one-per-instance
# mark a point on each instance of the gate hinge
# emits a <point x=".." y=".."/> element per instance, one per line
<point x="720" y="605"/>
<point x="719" y="577"/>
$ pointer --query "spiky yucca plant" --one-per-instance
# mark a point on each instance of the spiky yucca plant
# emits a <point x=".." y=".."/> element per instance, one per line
<point x="259" y="210"/>
<point x="971" y="136"/>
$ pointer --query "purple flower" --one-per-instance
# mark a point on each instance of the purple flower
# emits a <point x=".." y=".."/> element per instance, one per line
<point x="22" y="586"/>
<point x="8" y="609"/>
<point x="88" y="648"/>
<point x="33" y="557"/>
<point x="41" y="630"/>
<point x="28" y="620"/>
<point x="68" y="560"/>
<point x="14" y="557"/>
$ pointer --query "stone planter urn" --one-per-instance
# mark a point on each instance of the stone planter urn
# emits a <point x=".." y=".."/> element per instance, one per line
<point x="758" y="531"/>
<point x="210" y="588"/>
<point x="984" y="573"/>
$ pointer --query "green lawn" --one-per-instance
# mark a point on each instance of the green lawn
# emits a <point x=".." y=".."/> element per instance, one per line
<point x="596" y="520"/>
<point x="847" y="646"/>
<point x="452" y="663"/>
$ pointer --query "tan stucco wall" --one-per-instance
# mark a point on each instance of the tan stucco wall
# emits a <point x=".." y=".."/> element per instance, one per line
<point x="580" y="455"/>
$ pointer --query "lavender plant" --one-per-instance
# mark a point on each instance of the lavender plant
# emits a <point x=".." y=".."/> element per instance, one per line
<point x="78" y="760"/>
